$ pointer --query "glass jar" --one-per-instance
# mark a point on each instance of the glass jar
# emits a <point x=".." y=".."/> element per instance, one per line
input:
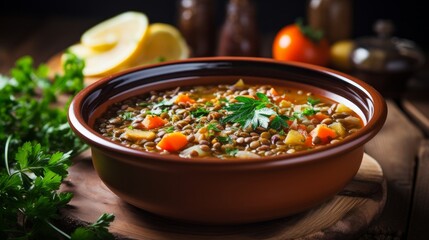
<point x="197" y="24"/>
<point x="333" y="17"/>
<point x="384" y="61"/>
<point x="239" y="35"/>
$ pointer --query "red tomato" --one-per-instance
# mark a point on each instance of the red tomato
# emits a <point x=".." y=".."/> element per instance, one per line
<point x="291" y="44"/>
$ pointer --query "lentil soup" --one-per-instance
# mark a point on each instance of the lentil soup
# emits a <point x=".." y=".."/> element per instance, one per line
<point x="224" y="121"/>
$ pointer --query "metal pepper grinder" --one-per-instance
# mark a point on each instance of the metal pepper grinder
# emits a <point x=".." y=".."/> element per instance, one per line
<point x="239" y="35"/>
<point x="196" y="23"/>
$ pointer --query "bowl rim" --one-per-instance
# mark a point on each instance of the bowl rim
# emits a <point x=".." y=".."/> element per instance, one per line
<point x="370" y="129"/>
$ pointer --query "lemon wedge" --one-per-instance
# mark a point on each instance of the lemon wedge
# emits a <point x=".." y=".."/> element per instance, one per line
<point x="162" y="43"/>
<point x="111" y="45"/>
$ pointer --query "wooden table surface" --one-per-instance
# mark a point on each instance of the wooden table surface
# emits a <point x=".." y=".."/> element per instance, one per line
<point x="401" y="147"/>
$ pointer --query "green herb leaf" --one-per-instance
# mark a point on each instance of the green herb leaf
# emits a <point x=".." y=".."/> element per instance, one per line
<point x="223" y="100"/>
<point x="157" y="111"/>
<point x="252" y="112"/>
<point x="164" y="104"/>
<point x="128" y="116"/>
<point x="33" y="130"/>
<point x="212" y="127"/>
<point x="279" y="122"/>
<point x="231" y="151"/>
<point x="72" y="80"/>
<point x="312" y="101"/>
<point x="309" y="112"/>
<point x="224" y="139"/>
<point x="200" y="112"/>
<point x="169" y="129"/>
<point x="96" y="231"/>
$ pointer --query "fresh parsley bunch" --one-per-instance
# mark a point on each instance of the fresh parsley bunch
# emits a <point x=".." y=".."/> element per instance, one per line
<point x="255" y="112"/>
<point x="33" y="132"/>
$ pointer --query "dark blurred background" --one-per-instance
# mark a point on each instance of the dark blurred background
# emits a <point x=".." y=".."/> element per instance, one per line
<point x="410" y="17"/>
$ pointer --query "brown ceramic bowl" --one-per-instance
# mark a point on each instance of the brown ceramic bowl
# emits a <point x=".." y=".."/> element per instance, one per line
<point x="215" y="191"/>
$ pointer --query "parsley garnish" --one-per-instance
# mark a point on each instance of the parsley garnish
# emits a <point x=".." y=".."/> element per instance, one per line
<point x="156" y="111"/>
<point x="164" y="104"/>
<point x="212" y="127"/>
<point x="279" y="122"/>
<point x="32" y="132"/>
<point x="127" y="116"/>
<point x="309" y="112"/>
<point x="231" y="151"/>
<point x="254" y="112"/>
<point x="169" y="129"/>
<point x="224" y="139"/>
<point x="312" y="101"/>
<point x="224" y="100"/>
<point x="200" y="112"/>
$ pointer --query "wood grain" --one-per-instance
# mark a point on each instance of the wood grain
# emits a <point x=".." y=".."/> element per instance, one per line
<point x="418" y="108"/>
<point x="418" y="228"/>
<point x="396" y="147"/>
<point x="343" y="216"/>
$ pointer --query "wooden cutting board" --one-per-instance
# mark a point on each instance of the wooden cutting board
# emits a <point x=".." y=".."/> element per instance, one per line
<point x="345" y="216"/>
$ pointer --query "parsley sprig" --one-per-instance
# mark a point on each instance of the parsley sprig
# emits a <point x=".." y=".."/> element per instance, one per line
<point x="255" y="112"/>
<point x="33" y="131"/>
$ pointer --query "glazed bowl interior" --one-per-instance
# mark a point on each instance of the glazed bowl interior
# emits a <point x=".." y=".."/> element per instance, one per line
<point x="217" y="191"/>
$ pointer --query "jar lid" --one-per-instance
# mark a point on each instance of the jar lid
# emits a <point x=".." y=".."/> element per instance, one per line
<point x="384" y="53"/>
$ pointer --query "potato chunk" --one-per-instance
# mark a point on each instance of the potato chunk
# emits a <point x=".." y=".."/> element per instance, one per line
<point x="294" y="137"/>
<point x="342" y="108"/>
<point x="136" y="135"/>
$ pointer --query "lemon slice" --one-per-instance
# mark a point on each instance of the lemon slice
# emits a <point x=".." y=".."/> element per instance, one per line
<point x="111" y="45"/>
<point x="162" y="43"/>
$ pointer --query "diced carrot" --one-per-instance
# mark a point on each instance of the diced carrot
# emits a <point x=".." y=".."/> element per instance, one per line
<point x="183" y="98"/>
<point x="273" y="92"/>
<point x="151" y="122"/>
<point x="308" y="141"/>
<point x="320" y="116"/>
<point x="324" y="133"/>
<point x="173" y="142"/>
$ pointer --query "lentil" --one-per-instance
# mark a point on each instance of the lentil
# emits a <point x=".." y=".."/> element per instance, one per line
<point x="202" y="121"/>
